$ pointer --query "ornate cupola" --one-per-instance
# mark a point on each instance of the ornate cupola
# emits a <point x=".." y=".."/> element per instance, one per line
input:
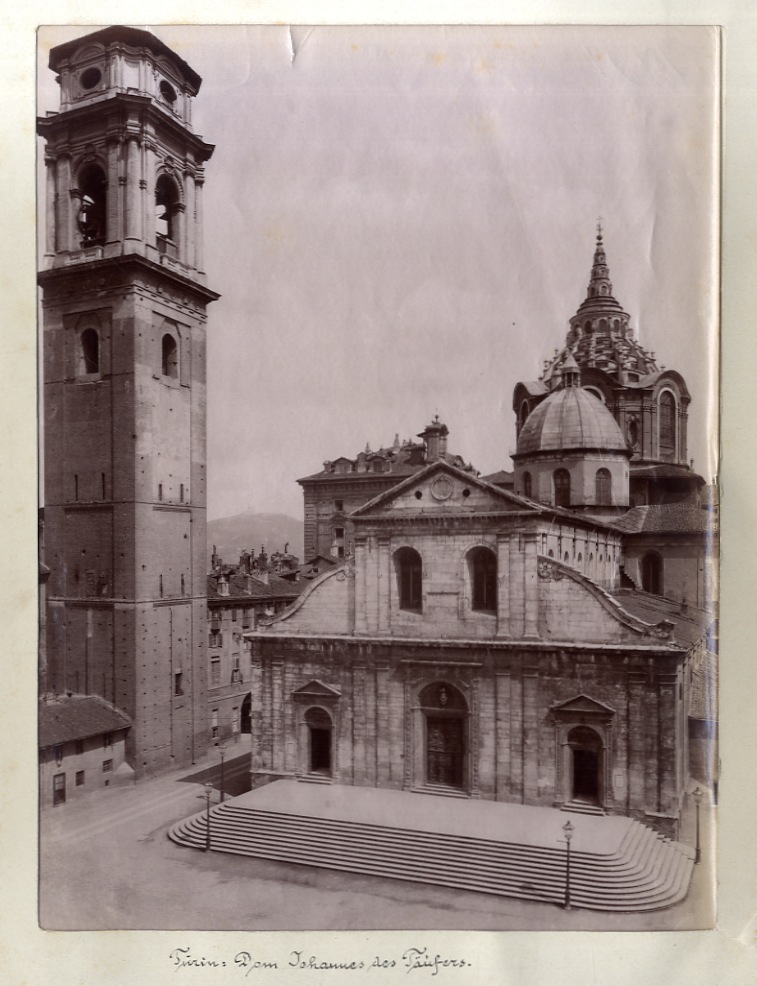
<point x="602" y="356"/>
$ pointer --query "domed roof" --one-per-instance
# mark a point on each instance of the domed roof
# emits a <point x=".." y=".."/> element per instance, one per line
<point x="570" y="418"/>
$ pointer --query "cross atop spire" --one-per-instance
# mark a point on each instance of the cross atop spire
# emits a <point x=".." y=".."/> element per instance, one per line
<point x="599" y="229"/>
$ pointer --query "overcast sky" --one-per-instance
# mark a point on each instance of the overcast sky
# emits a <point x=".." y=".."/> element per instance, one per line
<point x="401" y="221"/>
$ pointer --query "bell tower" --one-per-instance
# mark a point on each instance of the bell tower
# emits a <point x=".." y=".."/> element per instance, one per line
<point x="124" y="304"/>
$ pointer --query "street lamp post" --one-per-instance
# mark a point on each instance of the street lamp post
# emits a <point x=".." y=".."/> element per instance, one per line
<point x="208" y="788"/>
<point x="697" y="794"/>
<point x="222" y="751"/>
<point x="568" y="830"/>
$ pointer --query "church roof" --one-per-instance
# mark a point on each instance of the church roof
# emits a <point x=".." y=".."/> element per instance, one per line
<point x="691" y="623"/>
<point x="570" y="418"/>
<point x="667" y="518"/>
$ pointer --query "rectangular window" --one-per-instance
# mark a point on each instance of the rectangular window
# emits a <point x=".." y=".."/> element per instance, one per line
<point x="160" y="491"/>
<point x="235" y="719"/>
<point x="339" y="533"/>
<point x="178" y="688"/>
<point x="215" y="672"/>
<point x="340" y="551"/>
<point x="214" y="724"/>
<point x="107" y="766"/>
<point x="59" y="789"/>
<point x="339" y="504"/>
<point x="246" y="618"/>
<point x="181" y="492"/>
<point x="233" y="615"/>
<point x="59" y="754"/>
<point x="215" y="638"/>
<point x="80" y="778"/>
<point x="107" y="740"/>
<point x="79" y="746"/>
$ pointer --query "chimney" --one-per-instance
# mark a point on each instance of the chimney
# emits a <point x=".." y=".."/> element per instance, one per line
<point x="435" y="439"/>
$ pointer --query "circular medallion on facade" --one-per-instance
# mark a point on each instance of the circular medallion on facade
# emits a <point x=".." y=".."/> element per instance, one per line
<point x="441" y="488"/>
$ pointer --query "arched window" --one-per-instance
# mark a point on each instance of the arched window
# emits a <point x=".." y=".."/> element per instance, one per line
<point x="89" y="352"/>
<point x="92" y="210"/>
<point x="170" y="356"/>
<point x="166" y="202"/>
<point x="603" y="487"/>
<point x="667" y="424"/>
<point x="562" y="488"/>
<point x="527" y="484"/>
<point x="409" y="570"/>
<point x="651" y="573"/>
<point x="482" y="571"/>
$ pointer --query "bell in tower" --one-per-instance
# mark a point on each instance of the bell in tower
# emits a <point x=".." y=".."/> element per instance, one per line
<point x="124" y="337"/>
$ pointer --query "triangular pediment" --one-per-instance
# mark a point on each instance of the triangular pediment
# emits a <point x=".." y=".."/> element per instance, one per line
<point x="441" y="488"/>
<point x="583" y="705"/>
<point x="316" y="691"/>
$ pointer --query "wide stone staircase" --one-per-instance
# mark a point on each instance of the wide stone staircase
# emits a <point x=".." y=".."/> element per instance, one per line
<point x="644" y="872"/>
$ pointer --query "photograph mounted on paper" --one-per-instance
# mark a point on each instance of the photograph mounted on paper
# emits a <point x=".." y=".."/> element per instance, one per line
<point x="378" y="507"/>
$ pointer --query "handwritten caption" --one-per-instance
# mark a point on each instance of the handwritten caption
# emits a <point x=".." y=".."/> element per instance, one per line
<point x="420" y="959"/>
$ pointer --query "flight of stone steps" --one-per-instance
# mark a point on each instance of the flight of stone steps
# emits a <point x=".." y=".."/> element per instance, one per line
<point x="647" y="871"/>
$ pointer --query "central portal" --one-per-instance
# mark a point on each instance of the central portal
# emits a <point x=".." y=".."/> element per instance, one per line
<point x="444" y="751"/>
<point x="446" y="723"/>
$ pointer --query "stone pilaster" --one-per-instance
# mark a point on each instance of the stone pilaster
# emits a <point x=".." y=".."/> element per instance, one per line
<point x="502" y="734"/>
<point x="359" y="725"/>
<point x="503" y="585"/>
<point x="133" y="193"/>
<point x="530" y="735"/>
<point x="383" y="768"/>
<point x="361" y="604"/>
<point x="636" y="740"/>
<point x="516" y="738"/>
<point x="531" y="588"/>
<point x="383" y="563"/>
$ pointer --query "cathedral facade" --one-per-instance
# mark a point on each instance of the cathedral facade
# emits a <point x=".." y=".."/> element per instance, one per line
<point x="486" y="642"/>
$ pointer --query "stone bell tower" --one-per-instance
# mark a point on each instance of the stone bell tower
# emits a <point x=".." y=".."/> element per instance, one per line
<point x="124" y="324"/>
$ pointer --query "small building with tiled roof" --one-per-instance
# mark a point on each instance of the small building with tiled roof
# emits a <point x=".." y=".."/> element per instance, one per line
<point x="344" y="484"/>
<point x="82" y="740"/>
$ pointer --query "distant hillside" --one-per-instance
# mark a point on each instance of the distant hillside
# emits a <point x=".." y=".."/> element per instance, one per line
<point x="232" y="535"/>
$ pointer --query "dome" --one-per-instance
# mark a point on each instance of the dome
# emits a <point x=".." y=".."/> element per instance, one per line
<point x="570" y="418"/>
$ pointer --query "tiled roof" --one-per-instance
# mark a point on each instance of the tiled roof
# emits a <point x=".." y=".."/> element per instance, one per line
<point x="690" y="625"/>
<point x="78" y="717"/>
<point x="501" y="478"/>
<point x="277" y="588"/>
<point x="400" y="460"/>
<point x="666" y="518"/>
<point x="665" y="470"/>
